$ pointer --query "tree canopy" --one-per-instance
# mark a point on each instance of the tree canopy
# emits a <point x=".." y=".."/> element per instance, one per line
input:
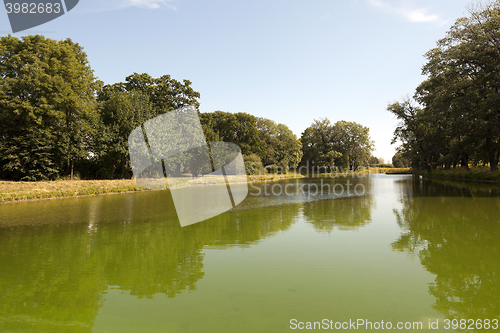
<point x="454" y="116"/>
<point x="282" y="146"/>
<point x="239" y="128"/>
<point x="57" y="119"/>
<point x="343" y="144"/>
<point x="47" y="106"/>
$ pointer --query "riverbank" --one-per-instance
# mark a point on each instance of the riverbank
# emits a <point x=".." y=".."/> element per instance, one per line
<point x="479" y="174"/>
<point x="11" y="191"/>
<point x="397" y="171"/>
<point x="24" y="191"/>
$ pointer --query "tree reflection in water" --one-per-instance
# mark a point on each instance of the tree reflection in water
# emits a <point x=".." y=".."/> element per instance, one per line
<point x="53" y="274"/>
<point x="455" y="231"/>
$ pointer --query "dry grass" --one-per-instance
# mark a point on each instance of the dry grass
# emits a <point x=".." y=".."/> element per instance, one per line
<point x="398" y="171"/>
<point x="273" y="177"/>
<point x="18" y="191"/>
<point x="22" y="191"/>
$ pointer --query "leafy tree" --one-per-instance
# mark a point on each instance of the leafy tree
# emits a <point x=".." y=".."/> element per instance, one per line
<point x="47" y="107"/>
<point x="318" y="144"/>
<point x="373" y="160"/>
<point x="345" y="144"/>
<point x="165" y="93"/>
<point x="283" y="148"/>
<point x="458" y="117"/>
<point x="253" y="165"/>
<point x="121" y="114"/>
<point x="239" y="128"/>
<point x="413" y="133"/>
<point x="126" y="105"/>
<point x="398" y="161"/>
<point x="353" y="141"/>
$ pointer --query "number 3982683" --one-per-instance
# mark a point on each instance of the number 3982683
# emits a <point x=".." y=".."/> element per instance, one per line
<point x="32" y="8"/>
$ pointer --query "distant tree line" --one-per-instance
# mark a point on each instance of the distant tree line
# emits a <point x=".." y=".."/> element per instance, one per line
<point x="58" y="120"/>
<point x="454" y="116"/>
<point x="343" y="144"/>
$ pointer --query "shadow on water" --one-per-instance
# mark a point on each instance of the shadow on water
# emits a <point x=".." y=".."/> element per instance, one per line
<point x="435" y="187"/>
<point x="454" y="229"/>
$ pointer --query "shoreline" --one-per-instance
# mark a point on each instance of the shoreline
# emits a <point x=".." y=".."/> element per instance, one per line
<point x="462" y="179"/>
<point x="61" y="189"/>
<point x="17" y="192"/>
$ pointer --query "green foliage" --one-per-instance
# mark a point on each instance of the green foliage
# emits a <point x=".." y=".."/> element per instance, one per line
<point x="344" y="144"/>
<point x="239" y="128"/>
<point x="282" y="146"/>
<point x="47" y="106"/>
<point x="456" y="120"/>
<point x="165" y="93"/>
<point x="382" y="165"/>
<point x="398" y="161"/>
<point x="318" y="144"/>
<point x="121" y="113"/>
<point x="373" y="160"/>
<point x="253" y="165"/>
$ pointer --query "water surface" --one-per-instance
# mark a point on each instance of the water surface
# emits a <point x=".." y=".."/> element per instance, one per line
<point x="403" y="250"/>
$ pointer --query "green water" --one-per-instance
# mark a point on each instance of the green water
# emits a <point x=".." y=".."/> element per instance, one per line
<point x="403" y="250"/>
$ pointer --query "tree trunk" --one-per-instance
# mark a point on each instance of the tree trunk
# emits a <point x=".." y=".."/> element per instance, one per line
<point x="428" y="167"/>
<point x="492" y="155"/>
<point x="72" y="165"/>
<point x="123" y="166"/>
<point x="465" y="162"/>
<point x="493" y="161"/>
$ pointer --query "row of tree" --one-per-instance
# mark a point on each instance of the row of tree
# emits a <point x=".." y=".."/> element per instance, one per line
<point x="454" y="117"/>
<point x="57" y="119"/>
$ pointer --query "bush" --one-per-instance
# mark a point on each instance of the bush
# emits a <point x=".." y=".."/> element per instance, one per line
<point x="382" y="166"/>
<point x="254" y="168"/>
<point x="273" y="168"/>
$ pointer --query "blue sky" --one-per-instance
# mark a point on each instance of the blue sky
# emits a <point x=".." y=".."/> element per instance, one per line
<point x="290" y="61"/>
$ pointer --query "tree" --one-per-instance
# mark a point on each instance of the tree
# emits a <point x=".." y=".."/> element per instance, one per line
<point x="373" y="160"/>
<point x="239" y="128"/>
<point x="353" y="141"/>
<point x="318" y="144"/>
<point x="165" y="93"/>
<point x="47" y="107"/>
<point x="414" y="133"/>
<point x="126" y="105"/>
<point x="345" y="144"/>
<point x="282" y="146"/>
<point x="398" y="161"/>
<point x="121" y="114"/>
<point x="458" y="116"/>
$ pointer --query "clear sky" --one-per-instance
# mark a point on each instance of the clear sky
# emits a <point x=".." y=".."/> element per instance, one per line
<point x="290" y="61"/>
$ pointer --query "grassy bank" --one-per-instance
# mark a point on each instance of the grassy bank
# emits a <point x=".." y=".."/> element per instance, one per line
<point x="20" y="191"/>
<point x="476" y="173"/>
<point x="397" y="171"/>
<point x="23" y="191"/>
